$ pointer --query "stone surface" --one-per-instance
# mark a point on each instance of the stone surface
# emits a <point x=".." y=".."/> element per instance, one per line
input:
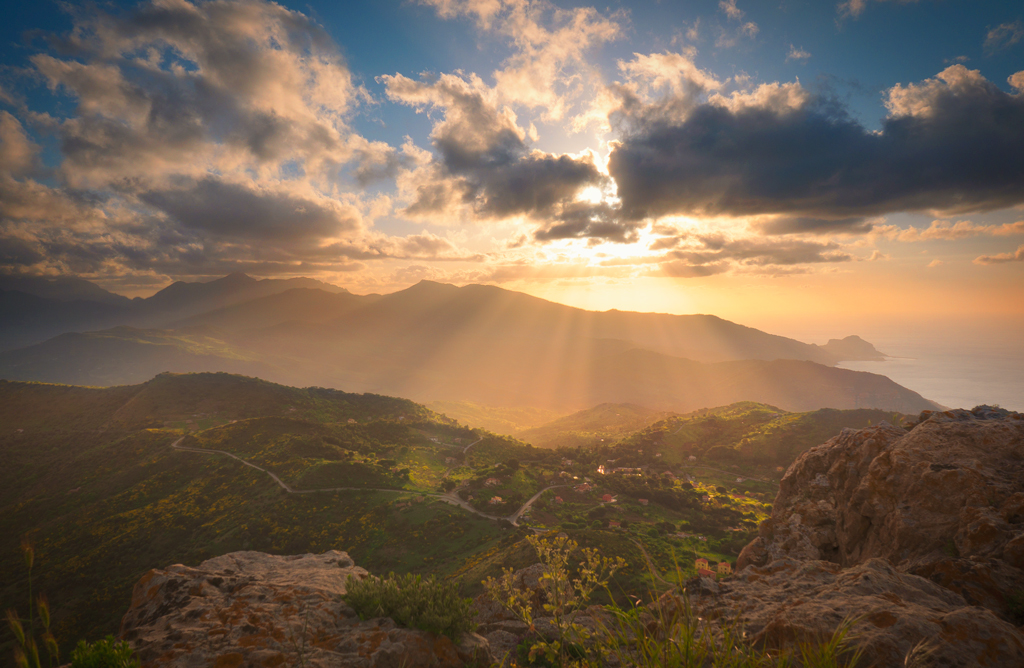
<point x="789" y="601"/>
<point x="255" y="609"/>
<point x="951" y="487"/>
<point x="919" y="529"/>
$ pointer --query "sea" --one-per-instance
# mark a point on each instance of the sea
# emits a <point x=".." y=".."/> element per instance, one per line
<point x="954" y="370"/>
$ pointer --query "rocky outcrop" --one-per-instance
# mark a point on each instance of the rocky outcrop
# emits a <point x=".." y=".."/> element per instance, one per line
<point x="928" y="523"/>
<point x="790" y="601"/>
<point x="255" y="609"/>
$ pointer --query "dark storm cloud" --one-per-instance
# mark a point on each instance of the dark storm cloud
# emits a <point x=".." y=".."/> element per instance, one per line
<point x="800" y="224"/>
<point x="232" y="210"/>
<point x="484" y="159"/>
<point x="583" y="220"/>
<point x="955" y="143"/>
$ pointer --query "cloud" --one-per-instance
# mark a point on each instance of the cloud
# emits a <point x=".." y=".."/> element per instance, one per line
<point x="1017" y="256"/>
<point x="699" y="255"/>
<point x="935" y="263"/>
<point x="954" y="143"/>
<point x="944" y="230"/>
<point x="548" y="68"/>
<point x="855" y="8"/>
<point x="485" y="162"/>
<point x="730" y="9"/>
<point x="797" y="54"/>
<point x="18" y="153"/>
<point x="1003" y="36"/>
<point x="234" y="210"/>
<point x="877" y="255"/>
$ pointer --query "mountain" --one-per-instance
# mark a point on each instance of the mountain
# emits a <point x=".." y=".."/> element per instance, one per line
<point x="437" y="342"/>
<point x="61" y="288"/>
<point x="554" y="375"/>
<point x="853" y="348"/>
<point x="34" y="309"/>
<point x="182" y="299"/>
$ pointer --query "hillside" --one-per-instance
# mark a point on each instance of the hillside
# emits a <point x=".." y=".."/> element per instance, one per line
<point x="413" y="360"/>
<point x="602" y="423"/>
<point x="92" y="478"/>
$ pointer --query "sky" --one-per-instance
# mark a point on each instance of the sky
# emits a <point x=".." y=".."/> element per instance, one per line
<point x="788" y="164"/>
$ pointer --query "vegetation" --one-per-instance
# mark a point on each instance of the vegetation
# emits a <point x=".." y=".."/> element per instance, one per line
<point x="413" y="602"/>
<point x="662" y="635"/>
<point x="90" y="475"/>
<point x="106" y="653"/>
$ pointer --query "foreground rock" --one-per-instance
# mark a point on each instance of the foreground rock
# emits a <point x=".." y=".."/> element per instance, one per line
<point x="255" y="609"/>
<point x="928" y="525"/>
<point x="792" y="601"/>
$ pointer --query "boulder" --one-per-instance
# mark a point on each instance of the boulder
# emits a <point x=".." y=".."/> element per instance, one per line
<point x="255" y="609"/>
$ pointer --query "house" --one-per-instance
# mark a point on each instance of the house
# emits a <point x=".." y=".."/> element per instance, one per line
<point x="450" y="460"/>
<point x="558" y="500"/>
<point x="657" y="455"/>
<point x="419" y="499"/>
<point x="457" y="440"/>
<point x="705" y="498"/>
<point x="566" y="462"/>
<point x="602" y="470"/>
<point x="739" y="479"/>
<point x="700" y="563"/>
<point x="583" y="488"/>
<point x="564" y="474"/>
<point x="691" y="458"/>
<point x="669" y="474"/>
<point x="614" y="524"/>
<point x="607" y="498"/>
<point x="492" y="482"/>
<point x="779" y="469"/>
<point x="724" y="568"/>
<point x="351" y="421"/>
<point x="705" y="573"/>
<point x="643" y="502"/>
<point x="495" y="500"/>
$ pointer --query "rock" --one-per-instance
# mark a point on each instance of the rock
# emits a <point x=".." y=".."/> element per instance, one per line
<point x="254" y="609"/>
<point x="919" y="531"/>
<point x="952" y="485"/>
<point x="789" y="601"/>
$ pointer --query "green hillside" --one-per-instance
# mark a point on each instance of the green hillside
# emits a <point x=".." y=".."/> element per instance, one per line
<point x="92" y="479"/>
<point x="603" y="423"/>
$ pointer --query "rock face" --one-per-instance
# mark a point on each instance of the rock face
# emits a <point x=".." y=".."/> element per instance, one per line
<point x="255" y="609"/>
<point x="930" y="520"/>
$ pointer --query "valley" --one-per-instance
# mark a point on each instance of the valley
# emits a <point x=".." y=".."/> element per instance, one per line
<point x="109" y="482"/>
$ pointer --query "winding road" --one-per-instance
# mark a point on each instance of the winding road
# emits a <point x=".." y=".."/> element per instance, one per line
<point x="447" y="498"/>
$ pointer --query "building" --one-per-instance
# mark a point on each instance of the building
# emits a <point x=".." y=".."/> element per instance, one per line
<point x="607" y="498"/>
<point x="643" y="502"/>
<point x="558" y="500"/>
<point x="450" y="460"/>
<point x="614" y="524"/>
<point x="492" y="482"/>
<point x="691" y="458"/>
<point x="724" y="568"/>
<point x="705" y="573"/>
<point x="601" y="469"/>
<point x="700" y="563"/>
<point x="351" y="421"/>
<point x="583" y="488"/>
<point x="495" y="500"/>
<point x="739" y="479"/>
<point x="566" y="462"/>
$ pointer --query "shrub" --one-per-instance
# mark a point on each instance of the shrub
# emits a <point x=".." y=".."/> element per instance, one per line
<point x="106" y="653"/>
<point x="413" y="602"/>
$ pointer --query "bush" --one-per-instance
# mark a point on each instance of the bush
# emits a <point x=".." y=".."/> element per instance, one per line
<point x="106" y="653"/>
<point x="413" y="602"/>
